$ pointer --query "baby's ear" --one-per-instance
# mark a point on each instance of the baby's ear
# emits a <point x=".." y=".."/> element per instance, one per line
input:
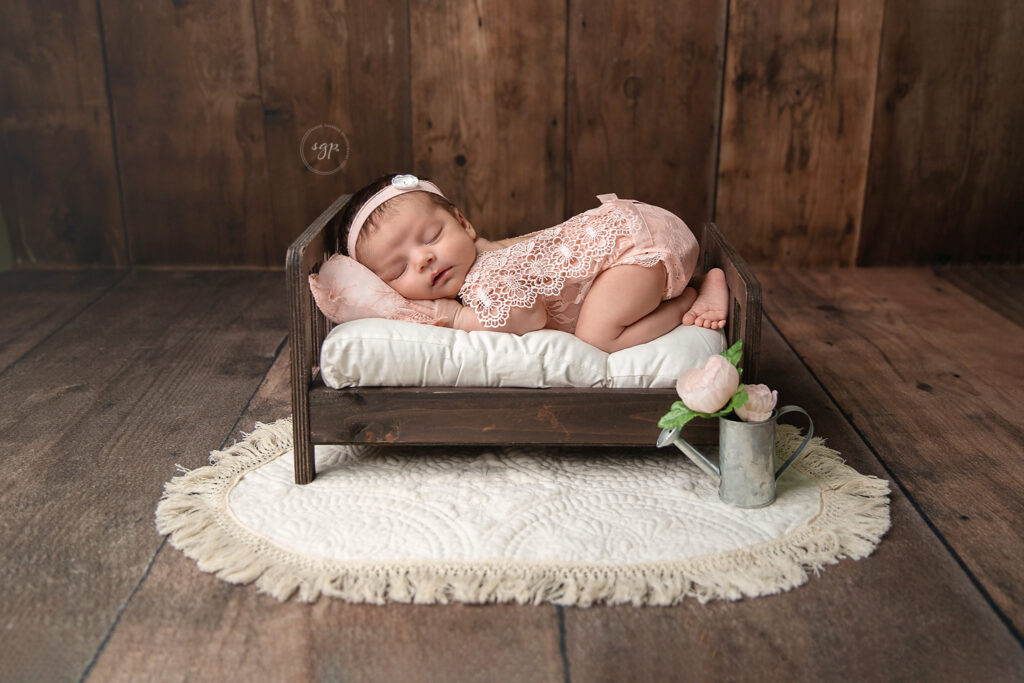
<point x="464" y="222"/>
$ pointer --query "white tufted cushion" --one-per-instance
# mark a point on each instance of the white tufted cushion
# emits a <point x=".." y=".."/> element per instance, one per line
<point x="377" y="352"/>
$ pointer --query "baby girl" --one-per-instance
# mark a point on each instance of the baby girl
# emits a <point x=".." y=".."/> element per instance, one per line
<point x="615" y="276"/>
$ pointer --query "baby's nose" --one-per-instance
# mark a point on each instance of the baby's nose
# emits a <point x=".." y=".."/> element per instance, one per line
<point x="424" y="258"/>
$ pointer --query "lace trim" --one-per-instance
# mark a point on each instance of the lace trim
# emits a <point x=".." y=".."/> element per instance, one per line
<point x="646" y="260"/>
<point x="517" y="275"/>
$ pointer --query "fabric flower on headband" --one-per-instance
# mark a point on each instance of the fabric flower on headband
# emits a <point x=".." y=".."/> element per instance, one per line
<point x="405" y="181"/>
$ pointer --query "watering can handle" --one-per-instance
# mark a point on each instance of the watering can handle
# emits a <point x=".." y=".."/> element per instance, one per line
<point x="810" y="432"/>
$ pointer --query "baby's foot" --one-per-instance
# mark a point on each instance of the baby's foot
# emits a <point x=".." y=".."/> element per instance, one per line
<point x="712" y="302"/>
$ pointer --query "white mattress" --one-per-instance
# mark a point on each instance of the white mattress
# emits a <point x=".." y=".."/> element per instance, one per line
<point x="377" y="352"/>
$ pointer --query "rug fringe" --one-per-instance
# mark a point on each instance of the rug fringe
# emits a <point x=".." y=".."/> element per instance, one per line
<point x="193" y="511"/>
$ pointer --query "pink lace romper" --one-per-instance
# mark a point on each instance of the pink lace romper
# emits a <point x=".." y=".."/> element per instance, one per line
<point x="558" y="265"/>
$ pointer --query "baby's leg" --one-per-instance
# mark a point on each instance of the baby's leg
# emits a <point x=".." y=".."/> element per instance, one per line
<point x="624" y="308"/>
<point x="710" y="308"/>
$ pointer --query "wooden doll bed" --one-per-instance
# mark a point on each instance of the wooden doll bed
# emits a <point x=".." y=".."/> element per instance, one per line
<point x="485" y="415"/>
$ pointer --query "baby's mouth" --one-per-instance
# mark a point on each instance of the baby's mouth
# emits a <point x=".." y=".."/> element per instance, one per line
<point x="440" y="274"/>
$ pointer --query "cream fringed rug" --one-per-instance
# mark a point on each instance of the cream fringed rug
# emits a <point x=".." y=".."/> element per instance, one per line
<point x="570" y="527"/>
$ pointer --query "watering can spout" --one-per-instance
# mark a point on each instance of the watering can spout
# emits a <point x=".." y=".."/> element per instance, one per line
<point x="671" y="436"/>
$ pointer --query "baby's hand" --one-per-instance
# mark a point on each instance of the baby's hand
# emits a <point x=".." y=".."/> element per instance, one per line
<point x="520" y="320"/>
<point x="345" y="290"/>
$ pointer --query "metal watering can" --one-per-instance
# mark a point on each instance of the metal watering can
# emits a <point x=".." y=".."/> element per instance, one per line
<point x="745" y="471"/>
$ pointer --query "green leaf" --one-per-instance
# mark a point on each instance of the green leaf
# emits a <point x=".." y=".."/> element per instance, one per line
<point x="733" y="353"/>
<point x="677" y="416"/>
<point x="738" y="399"/>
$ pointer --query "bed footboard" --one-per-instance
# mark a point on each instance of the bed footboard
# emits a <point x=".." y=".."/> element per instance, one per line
<point x="744" y="297"/>
<point x="431" y="415"/>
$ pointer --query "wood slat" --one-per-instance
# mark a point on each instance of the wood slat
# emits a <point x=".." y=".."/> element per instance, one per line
<point x="59" y="185"/>
<point x="643" y="117"/>
<point x="999" y="288"/>
<point x="906" y="612"/>
<point x="184" y="79"/>
<point x="33" y="304"/>
<point x="92" y="423"/>
<point x="488" y="109"/>
<point x="796" y="128"/>
<point x="946" y="153"/>
<point x="350" y="70"/>
<point x="434" y="415"/>
<point x="934" y="382"/>
<point x="234" y="633"/>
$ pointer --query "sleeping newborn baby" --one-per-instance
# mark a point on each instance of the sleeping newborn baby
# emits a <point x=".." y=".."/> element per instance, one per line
<point x="615" y="276"/>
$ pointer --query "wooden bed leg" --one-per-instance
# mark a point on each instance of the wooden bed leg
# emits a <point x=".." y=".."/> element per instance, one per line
<point x="305" y="463"/>
<point x="302" y="438"/>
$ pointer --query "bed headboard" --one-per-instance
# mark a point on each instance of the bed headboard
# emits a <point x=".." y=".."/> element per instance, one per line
<point x="308" y="325"/>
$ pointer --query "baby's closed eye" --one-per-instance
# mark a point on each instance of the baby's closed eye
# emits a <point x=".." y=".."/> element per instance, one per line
<point x="395" y="274"/>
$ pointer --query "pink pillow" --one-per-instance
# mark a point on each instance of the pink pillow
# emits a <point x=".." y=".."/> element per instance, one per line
<point x="345" y="290"/>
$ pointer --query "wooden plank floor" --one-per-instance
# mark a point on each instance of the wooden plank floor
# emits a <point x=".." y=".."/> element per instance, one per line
<point x="109" y="379"/>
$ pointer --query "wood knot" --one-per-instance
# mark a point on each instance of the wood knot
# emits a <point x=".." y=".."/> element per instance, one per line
<point x="632" y="87"/>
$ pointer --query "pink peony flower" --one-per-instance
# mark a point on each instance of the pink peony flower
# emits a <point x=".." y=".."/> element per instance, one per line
<point x="708" y="389"/>
<point x="760" y="403"/>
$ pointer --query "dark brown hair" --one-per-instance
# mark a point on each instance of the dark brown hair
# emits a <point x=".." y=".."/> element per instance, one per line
<point x="363" y="195"/>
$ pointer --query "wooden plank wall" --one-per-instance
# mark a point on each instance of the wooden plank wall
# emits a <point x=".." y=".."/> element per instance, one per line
<point x="58" y="172"/>
<point x="947" y="154"/>
<point x="796" y="128"/>
<point x="837" y="132"/>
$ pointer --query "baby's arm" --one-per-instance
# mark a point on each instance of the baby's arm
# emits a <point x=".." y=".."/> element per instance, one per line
<point x="520" y="320"/>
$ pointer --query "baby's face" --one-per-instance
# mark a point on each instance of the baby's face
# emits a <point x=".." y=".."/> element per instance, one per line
<point x="420" y="249"/>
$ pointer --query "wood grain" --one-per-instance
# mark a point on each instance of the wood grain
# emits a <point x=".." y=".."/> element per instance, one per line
<point x="184" y="81"/>
<point x="644" y="87"/>
<point x="235" y="633"/>
<point x="933" y="381"/>
<point x="906" y="612"/>
<point x="34" y="304"/>
<point x="947" y="153"/>
<point x="796" y="128"/>
<point x="467" y="415"/>
<point x="488" y="109"/>
<point x="998" y="287"/>
<point x="92" y="423"/>
<point x="349" y="70"/>
<point x="59" y="179"/>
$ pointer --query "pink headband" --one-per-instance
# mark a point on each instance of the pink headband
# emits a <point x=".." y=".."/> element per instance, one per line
<point x="400" y="184"/>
